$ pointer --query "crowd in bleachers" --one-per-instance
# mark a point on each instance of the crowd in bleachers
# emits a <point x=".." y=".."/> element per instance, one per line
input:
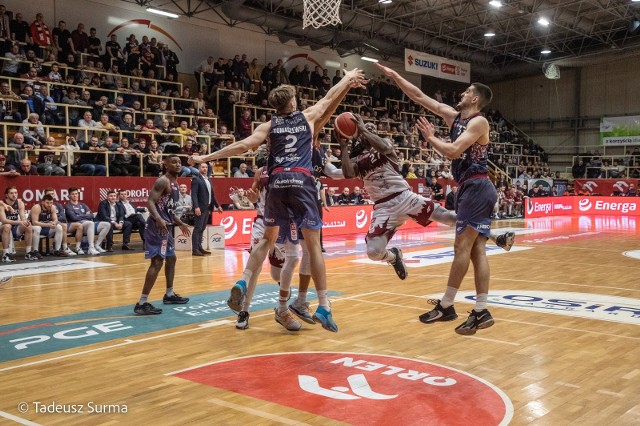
<point x="597" y="166"/>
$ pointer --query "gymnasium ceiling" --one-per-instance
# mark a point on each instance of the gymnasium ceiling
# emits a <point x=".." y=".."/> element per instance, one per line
<point x="580" y="32"/>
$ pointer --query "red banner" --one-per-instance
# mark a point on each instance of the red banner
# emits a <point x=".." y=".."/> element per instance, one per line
<point x="340" y="220"/>
<point x="603" y="187"/>
<point x="581" y="206"/>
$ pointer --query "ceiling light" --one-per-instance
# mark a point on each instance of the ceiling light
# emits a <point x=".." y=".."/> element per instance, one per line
<point x="495" y="3"/>
<point x="545" y="51"/>
<point x="489" y="33"/>
<point x="162" y="12"/>
<point x="385" y="1"/>
<point x="543" y="21"/>
<point x="368" y="59"/>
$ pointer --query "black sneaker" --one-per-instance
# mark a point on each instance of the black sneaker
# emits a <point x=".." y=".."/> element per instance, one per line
<point x="438" y="313"/>
<point x="398" y="264"/>
<point x="476" y="321"/>
<point x="243" y="320"/>
<point x="506" y="240"/>
<point x="174" y="299"/>
<point x="146" y="309"/>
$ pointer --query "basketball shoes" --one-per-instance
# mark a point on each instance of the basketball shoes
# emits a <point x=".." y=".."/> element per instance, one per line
<point x="476" y="321"/>
<point x="302" y="311"/>
<point x="438" y="313"/>
<point x="324" y="317"/>
<point x="242" y="322"/>
<point x="287" y="320"/>
<point x="238" y="292"/>
<point x="506" y="240"/>
<point x="398" y="264"/>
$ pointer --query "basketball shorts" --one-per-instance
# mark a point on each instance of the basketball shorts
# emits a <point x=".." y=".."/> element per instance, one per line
<point x="390" y="215"/>
<point x="474" y="205"/>
<point x="291" y="197"/>
<point x="156" y="244"/>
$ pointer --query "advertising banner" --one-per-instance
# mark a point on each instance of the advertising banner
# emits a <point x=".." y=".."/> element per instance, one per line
<point x="582" y="206"/>
<point x="616" y="131"/>
<point x="436" y="66"/>
<point x="604" y="187"/>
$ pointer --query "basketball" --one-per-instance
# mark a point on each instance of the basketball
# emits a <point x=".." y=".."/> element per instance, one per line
<point x="345" y="125"/>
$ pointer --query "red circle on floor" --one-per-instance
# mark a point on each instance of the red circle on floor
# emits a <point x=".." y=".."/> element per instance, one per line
<point x="361" y="389"/>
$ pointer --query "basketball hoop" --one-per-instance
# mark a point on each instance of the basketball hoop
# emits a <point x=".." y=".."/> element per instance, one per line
<point x="320" y="13"/>
<point x="551" y="71"/>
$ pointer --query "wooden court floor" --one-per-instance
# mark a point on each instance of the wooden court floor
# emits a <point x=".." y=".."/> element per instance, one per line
<point x="565" y="348"/>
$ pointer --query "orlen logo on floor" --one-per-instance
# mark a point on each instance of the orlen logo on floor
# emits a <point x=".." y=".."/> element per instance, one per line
<point x="361" y="389"/>
<point x="585" y="205"/>
<point x="361" y="219"/>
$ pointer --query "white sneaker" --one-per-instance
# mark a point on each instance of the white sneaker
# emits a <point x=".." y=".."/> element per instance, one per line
<point x="7" y="259"/>
<point x="80" y="251"/>
<point x="93" y="251"/>
<point x="99" y="249"/>
<point x="69" y="252"/>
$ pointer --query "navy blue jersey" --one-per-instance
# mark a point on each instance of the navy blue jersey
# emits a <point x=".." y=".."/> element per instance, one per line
<point x="16" y="213"/>
<point x="168" y="202"/>
<point x="290" y="142"/>
<point x="473" y="160"/>
<point x="62" y="218"/>
<point x="45" y="215"/>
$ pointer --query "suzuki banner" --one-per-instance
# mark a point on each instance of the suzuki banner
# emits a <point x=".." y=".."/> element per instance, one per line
<point x="604" y="187"/>
<point x="436" y="66"/>
<point x="581" y="206"/>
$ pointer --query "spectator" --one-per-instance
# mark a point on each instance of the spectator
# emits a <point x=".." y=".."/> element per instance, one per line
<point x="33" y="131"/>
<point x="49" y="159"/>
<point x="185" y="132"/>
<point x="153" y="159"/>
<point x="6" y="170"/>
<point x="20" y="151"/>
<point x="93" y="163"/>
<point x="26" y="168"/>
<point x="7" y="108"/>
<point x="40" y="34"/>
<point x="241" y="172"/>
<point x="113" y="213"/>
<point x="331" y="197"/>
<point x="185" y="152"/>
<point x="344" y="199"/>
<point x="185" y="205"/>
<point x="436" y="189"/>
<point x="20" y="30"/>
<point x="61" y="37"/>
<point x="132" y="216"/>
<point x="67" y="157"/>
<point x="240" y="200"/>
<point x="11" y="67"/>
<point x="357" y="197"/>
<point x="79" y="42"/>
<point x="450" y="203"/>
<point x="87" y="127"/>
<point x="95" y="45"/>
<point x="126" y="161"/>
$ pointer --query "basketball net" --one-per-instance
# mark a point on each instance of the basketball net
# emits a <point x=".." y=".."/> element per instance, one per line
<point x="320" y="13"/>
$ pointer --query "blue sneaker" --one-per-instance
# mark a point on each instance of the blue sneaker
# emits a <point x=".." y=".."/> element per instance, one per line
<point x="238" y="292"/>
<point x="302" y="311"/>
<point x="324" y="317"/>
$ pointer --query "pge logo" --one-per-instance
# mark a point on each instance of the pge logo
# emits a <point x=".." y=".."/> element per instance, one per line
<point x="230" y="227"/>
<point x="590" y="185"/>
<point x="361" y="219"/>
<point x="585" y="205"/>
<point x="182" y="239"/>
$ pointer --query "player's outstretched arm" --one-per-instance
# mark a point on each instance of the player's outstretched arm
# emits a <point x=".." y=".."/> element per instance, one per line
<point x="475" y="129"/>
<point x="251" y="142"/>
<point x="443" y="110"/>
<point x="349" y="167"/>
<point x="382" y="145"/>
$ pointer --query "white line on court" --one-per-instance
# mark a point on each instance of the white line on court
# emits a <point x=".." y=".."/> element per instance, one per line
<point x="18" y="419"/>
<point x="255" y="412"/>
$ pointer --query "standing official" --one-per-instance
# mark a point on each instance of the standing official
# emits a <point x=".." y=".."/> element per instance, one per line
<point x="204" y="201"/>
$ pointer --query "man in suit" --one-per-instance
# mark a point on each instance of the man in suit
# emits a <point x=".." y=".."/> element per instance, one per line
<point x="112" y="212"/>
<point x="204" y="201"/>
<point x="131" y="215"/>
